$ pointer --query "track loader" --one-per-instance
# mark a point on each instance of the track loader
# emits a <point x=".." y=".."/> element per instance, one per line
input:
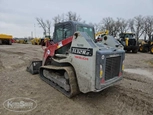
<point x="73" y="62"/>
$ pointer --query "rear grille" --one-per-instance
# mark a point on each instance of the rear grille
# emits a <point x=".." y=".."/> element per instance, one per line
<point x="112" y="67"/>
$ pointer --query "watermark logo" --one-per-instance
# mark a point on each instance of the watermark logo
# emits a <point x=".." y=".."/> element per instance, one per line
<point x="20" y="104"/>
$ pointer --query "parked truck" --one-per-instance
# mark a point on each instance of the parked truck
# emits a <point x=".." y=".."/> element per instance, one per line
<point x="6" y="39"/>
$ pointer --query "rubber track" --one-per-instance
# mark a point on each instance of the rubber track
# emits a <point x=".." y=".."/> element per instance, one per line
<point x="72" y="79"/>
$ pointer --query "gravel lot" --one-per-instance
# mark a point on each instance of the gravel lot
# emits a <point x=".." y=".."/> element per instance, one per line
<point x="131" y="96"/>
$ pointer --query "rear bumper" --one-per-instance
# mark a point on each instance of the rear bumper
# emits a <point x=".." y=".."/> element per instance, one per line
<point x="109" y="83"/>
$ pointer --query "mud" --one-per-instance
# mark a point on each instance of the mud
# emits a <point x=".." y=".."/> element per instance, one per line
<point x="131" y="96"/>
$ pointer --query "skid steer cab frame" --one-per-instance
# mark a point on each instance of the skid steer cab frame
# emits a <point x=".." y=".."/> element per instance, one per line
<point x="73" y="62"/>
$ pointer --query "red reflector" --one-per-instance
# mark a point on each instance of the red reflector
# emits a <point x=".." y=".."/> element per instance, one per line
<point x="102" y="80"/>
<point x="120" y="74"/>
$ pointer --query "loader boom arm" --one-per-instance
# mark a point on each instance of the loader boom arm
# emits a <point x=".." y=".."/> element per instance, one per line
<point x="52" y="47"/>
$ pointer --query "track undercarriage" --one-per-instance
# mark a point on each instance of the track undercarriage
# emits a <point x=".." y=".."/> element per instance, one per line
<point x="61" y="78"/>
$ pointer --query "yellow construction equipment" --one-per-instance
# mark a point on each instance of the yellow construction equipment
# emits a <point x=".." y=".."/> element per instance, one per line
<point x="39" y="41"/>
<point x="129" y="41"/>
<point x="6" y="39"/>
<point x="21" y="41"/>
<point x="101" y="33"/>
<point x="146" y="46"/>
<point x="36" y="41"/>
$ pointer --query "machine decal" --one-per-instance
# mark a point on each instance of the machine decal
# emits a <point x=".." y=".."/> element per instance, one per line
<point x="82" y="51"/>
<point x="80" y="57"/>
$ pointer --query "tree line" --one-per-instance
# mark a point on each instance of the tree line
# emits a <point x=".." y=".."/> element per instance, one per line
<point x="140" y="25"/>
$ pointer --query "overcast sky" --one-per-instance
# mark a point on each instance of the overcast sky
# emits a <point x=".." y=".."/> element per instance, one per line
<point x="17" y="17"/>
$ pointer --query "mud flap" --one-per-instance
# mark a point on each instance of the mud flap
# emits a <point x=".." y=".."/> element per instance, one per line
<point x="34" y="66"/>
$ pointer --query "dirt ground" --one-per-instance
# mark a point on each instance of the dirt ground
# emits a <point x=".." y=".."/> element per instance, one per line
<point x="131" y="96"/>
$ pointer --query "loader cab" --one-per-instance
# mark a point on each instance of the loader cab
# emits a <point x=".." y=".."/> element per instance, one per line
<point x="127" y="35"/>
<point x="129" y="42"/>
<point x="131" y="38"/>
<point x="67" y="29"/>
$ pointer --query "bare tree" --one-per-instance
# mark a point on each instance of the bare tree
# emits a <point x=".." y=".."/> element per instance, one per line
<point x="115" y="28"/>
<point x="57" y="19"/>
<point x="136" y="26"/>
<point x="131" y="25"/>
<point x="122" y="25"/>
<point x="46" y="26"/>
<point x="111" y="25"/>
<point x="42" y="24"/>
<point x="96" y="27"/>
<point x="148" y="26"/>
<point x="73" y="16"/>
<point x="66" y="17"/>
<point x="107" y="23"/>
<point x="62" y="17"/>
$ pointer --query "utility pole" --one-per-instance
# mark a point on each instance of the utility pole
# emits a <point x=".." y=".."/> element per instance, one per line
<point x="35" y="30"/>
<point x="31" y="34"/>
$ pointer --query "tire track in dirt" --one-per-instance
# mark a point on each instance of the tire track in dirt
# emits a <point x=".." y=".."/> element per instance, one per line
<point x="134" y="77"/>
<point x="135" y="101"/>
<point x="124" y="98"/>
<point x="134" y="95"/>
<point x="12" y="52"/>
<point x="19" y="55"/>
<point x="1" y="64"/>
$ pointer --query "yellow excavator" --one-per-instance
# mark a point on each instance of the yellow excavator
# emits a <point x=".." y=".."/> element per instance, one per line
<point x="21" y="41"/>
<point x="36" y="41"/>
<point x="39" y="41"/>
<point x="6" y="39"/>
<point x="100" y="34"/>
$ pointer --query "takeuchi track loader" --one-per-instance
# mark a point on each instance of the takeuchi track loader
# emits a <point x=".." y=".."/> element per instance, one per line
<point x="73" y="62"/>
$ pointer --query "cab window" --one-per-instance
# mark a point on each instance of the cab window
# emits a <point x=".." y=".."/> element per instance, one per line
<point x="62" y="32"/>
<point x="88" y="30"/>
